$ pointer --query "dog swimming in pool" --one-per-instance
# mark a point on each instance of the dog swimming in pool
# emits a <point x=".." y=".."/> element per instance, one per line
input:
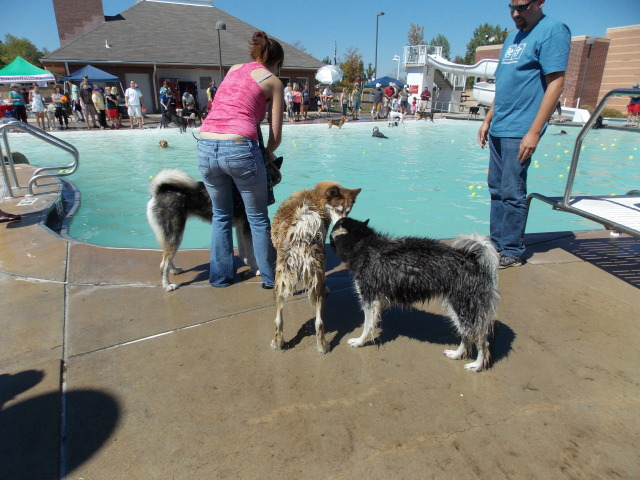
<point x="402" y="271"/>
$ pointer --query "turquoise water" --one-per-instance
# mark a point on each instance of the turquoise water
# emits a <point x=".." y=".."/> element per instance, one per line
<point x="426" y="179"/>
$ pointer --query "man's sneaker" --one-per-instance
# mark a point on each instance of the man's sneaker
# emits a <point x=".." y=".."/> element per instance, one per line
<point x="506" y="261"/>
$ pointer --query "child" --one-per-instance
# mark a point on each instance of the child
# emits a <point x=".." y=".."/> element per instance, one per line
<point x="414" y="105"/>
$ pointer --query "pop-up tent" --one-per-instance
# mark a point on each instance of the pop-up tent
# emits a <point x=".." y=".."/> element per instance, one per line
<point x="21" y="71"/>
<point x="384" y="81"/>
<point x="94" y="74"/>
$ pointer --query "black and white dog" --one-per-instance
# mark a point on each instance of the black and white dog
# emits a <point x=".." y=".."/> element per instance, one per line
<point x="406" y="270"/>
<point x="176" y="196"/>
<point x="173" y="117"/>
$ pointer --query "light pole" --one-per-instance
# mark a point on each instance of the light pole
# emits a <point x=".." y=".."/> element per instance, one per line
<point x="375" y="74"/>
<point x="220" y="26"/>
<point x="396" y="58"/>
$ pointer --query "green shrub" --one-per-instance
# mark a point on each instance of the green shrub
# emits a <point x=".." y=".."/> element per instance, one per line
<point x="607" y="112"/>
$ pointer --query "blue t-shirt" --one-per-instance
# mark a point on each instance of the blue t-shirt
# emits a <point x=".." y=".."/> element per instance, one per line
<point x="525" y="59"/>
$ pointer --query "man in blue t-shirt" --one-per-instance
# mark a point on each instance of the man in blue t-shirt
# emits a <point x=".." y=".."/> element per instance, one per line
<point x="529" y="81"/>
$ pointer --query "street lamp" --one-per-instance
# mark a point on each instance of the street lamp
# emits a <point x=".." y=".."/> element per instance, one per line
<point x="220" y="26"/>
<point x="396" y="58"/>
<point x="378" y="15"/>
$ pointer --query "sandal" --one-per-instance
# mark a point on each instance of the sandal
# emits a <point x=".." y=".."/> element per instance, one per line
<point x="9" y="217"/>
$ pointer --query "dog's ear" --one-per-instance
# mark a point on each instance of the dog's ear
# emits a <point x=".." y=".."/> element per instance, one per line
<point x="356" y="191"/>
<point x="366" y="222"/>
<point x="333" y="192"/>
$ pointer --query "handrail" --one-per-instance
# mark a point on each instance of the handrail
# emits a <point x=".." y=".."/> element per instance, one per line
<point x="63" y="171"/>
<point x="572" y="204"/>
<point x="618" y="92"/>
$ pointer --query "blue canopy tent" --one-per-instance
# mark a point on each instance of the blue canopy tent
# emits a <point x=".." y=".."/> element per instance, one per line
<point x="94" y="74"/>
<point x="384" y="81"/>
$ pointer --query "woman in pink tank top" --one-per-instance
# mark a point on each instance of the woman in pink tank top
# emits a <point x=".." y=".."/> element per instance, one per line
<point x="228" y="154"/>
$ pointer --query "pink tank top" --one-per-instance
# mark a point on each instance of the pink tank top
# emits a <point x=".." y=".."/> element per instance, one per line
<point x="239" y="105"/>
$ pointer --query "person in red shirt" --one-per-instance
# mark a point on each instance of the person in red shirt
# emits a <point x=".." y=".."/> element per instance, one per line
<point x="424" y="99"/>
<point x="389" y="93"/>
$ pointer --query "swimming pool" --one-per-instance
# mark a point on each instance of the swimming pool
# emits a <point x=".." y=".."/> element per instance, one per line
<point x="426" y="179"/>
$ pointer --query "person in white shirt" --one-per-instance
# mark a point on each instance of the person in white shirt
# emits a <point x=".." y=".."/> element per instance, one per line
<point x="187" y="99"/>
<point x="134" y="103"/>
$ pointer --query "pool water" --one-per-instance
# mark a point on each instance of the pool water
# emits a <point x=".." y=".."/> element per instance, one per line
<point x="426" y="179"/>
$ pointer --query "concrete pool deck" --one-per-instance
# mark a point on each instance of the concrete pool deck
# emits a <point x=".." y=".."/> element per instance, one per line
<point x="105" y="375"/>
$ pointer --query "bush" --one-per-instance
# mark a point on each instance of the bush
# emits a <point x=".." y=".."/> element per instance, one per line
<point x="606" y="113"/>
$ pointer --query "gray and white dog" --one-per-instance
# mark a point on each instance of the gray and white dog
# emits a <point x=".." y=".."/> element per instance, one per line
<point x="402" y="271"/>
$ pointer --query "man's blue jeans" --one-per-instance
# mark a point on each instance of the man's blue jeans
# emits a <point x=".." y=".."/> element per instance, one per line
<point x="508" y="187"/>
<point x="222" y="163"/>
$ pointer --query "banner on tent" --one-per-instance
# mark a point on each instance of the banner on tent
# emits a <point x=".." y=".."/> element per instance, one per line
<point x="25" y="78"/>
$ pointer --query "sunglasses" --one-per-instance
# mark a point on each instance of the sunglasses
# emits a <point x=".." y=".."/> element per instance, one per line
<point x="521" y="8"/>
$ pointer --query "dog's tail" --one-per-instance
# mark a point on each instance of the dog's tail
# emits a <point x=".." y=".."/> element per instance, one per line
<point x="488" y="259"/>
<point x="480" y="247"/>
<point x="172" y="176"/>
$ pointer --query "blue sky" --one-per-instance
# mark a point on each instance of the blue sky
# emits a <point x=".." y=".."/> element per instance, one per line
<point x="317" y="25"/>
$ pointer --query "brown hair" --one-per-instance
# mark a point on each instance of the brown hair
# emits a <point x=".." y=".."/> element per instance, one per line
<point x="265" y="50"/>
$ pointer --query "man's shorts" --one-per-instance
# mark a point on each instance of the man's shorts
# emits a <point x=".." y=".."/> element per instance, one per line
<point x="134" y="111"/>
<point x="91" y="110"/>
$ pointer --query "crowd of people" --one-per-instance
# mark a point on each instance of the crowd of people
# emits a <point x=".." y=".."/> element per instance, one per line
<point x="95" y="106"/>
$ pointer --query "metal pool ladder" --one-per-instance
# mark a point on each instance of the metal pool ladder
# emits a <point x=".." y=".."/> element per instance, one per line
<point x="614" y="212"/>
<point x="60" y="171"/>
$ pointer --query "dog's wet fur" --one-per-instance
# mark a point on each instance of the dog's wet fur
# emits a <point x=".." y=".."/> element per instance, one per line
<point x="299" y="231"/>
<point x="378" y="133"/>
<point x="402" y="271"/>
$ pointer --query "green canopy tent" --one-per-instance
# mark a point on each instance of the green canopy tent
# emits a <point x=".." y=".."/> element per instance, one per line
<point x="21" y="71"/>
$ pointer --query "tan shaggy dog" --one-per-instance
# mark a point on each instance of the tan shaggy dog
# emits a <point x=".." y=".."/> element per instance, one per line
<point x="298" y="232"/>
<point x="339" y="123"/>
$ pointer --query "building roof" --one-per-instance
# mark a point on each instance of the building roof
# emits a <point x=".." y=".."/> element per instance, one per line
<point x="170" y="34"/>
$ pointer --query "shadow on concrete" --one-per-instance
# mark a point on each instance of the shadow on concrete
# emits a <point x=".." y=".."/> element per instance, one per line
<point x="13" y="385"/>
<point x="344" y="316"/>
<point x="30" y="435"/>
<point x="617" y="256"/>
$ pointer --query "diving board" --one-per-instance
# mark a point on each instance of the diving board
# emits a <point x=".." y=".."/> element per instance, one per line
<point x="614" y="212"/>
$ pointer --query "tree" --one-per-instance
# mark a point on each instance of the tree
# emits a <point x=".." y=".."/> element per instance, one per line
<point x="352" y="66"/>
<point x="441" y="41"/>
<point x="327" y="60"/>
<point x="13" y="47"/>
<point x="369" y="72"/>
<point x="415" y="36"/>
<point x="298" y="45"/>
<point x="485" y="34"/>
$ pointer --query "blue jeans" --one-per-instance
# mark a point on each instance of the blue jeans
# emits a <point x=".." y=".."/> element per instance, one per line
<point x="223" y="163"/>
<point x="508" y="188"/>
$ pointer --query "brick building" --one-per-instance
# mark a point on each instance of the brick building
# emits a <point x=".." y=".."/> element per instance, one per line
<point x="622" y="67"/>
<point x="596" y="66"/>
<point x="77" y="19"/>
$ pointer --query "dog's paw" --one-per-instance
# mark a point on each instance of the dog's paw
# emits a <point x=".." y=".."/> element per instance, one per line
<point x="322" y="346"/>
<point x="474" y="366"/>
<point x="170" y="287"/>
<point x="356" y="342"/>
<point x="453" y="354"/>
<point x="277" y="343"/>
<point x="175" y="270"/>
